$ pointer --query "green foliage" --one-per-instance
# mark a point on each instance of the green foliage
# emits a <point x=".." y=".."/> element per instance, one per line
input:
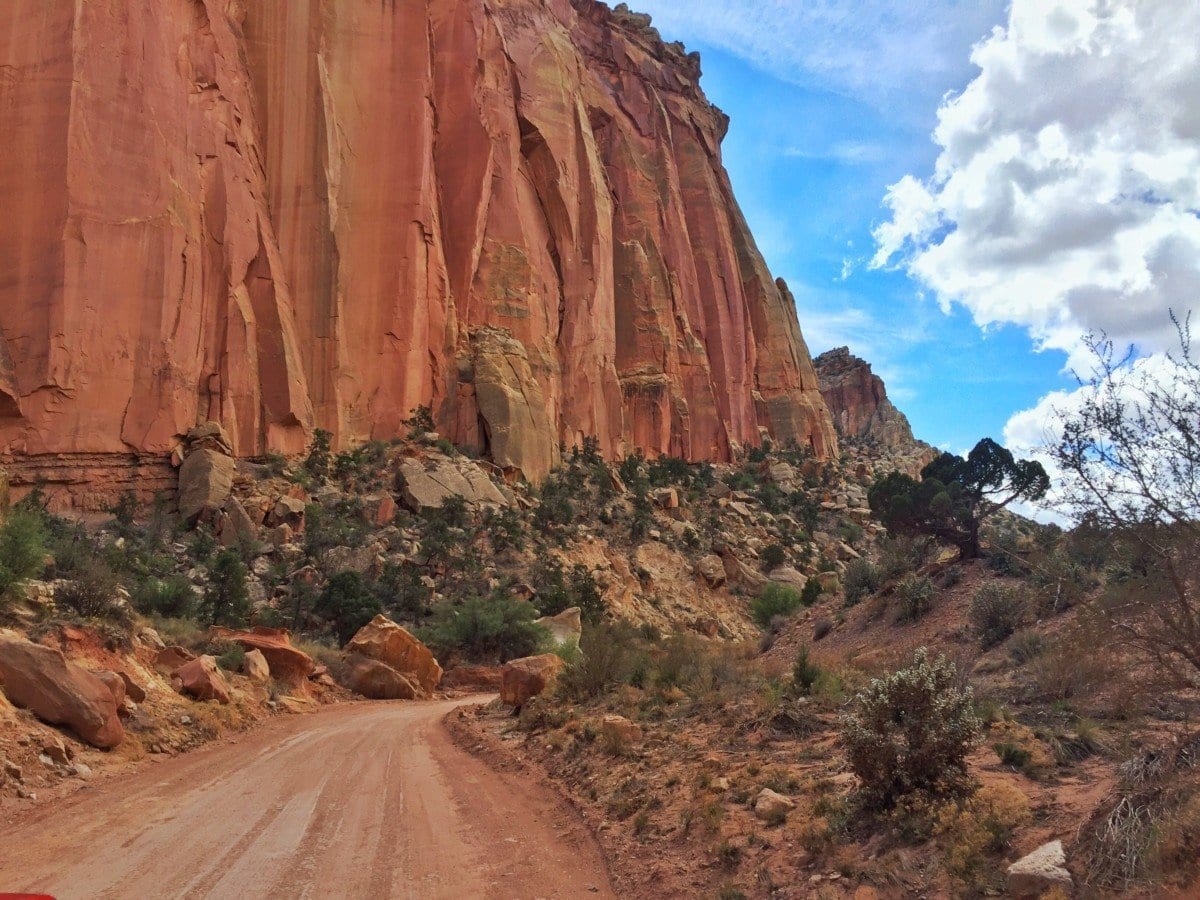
<point x="632" y="467"/>
<point x="915" y="595"/>
<point x="420" y="422"/>
<point x="485" y="629"/>
<point x="556" y="509"/>
<point x="226" y="600"/>
<point x="643" y="516"/>
<point x="954" y="494"/>
<point x="505" y="528"/>
<point x="23" y="538"/>
<point x="1011" y="755"/>
<point x="229" y="656"/>
<point x="773" y="556"/>
<point x="1004" y="554"/>
<point x="341" y="524"/>
<point x="402" y="593"/>
<point x="1026" y="645"/>
<point x="92" y="592"/>
<point x="902" y="554"/>
<point x="347" y="603"/>
<point x="775" y="600"/>
<point x="997" y="610"/>
<point x="319" y="456"/>
<point x="805" y="674"/>
<point x="609" y="656"/>
<point x="171" y="597"/>
<point x="558" y="590"/>
<point x="124" y="512"/>
<point x="361" y="469"/>
<point x="811" y="593"/>
<point x="911" y="731"/>
<point x="861" y="580"/>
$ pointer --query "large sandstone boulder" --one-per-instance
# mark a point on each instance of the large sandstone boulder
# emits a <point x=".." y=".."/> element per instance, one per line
<point x="377" y="680"/>
<point x="384" y="640"/>
<point x="1043" y="869"/>
<point x="205" y="483"/>
<point x="771" y="806"/>
<point x="287" y="664"/>
<point x="566" y="628"/>
<point x="237" y="528"/>
<point x="171" y="658"/>
<point x="788" y="576"/>
<point x="426" y="484"/>
<point x="57" y="691"/>
<point x="202" y="679"/>
<point x="523" y="679"/>
<point x="712" y="570"/>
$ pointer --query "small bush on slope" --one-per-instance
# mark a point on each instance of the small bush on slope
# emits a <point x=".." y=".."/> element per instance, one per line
<point x="775" y="600"/>
<point x="486" y="629"/>
<point x="911" y="731"/>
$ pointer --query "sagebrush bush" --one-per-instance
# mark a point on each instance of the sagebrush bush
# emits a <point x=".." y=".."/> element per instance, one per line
<point x="861" y="580"/>
<point x="911" y="731"/>
<point x="997" y="610"/>
<point x="1026" y="645"/>
<point x="486" y="629"/>
<point x="915" y="596"/>
<point x="92" y="592"/>
<point x="775" y="600"/>
<point x="903" y="554"/>
<point x="610" y="656"/>
<point x="974" y="832"/>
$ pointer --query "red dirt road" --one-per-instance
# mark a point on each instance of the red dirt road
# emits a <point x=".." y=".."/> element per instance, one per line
<point x="368" y="800"/>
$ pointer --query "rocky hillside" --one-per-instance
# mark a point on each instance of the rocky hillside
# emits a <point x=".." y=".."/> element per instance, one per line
<point x="287" y="216"/>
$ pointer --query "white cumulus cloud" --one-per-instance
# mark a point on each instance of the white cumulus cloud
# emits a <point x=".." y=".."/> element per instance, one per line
<point x="1066" y="194"/>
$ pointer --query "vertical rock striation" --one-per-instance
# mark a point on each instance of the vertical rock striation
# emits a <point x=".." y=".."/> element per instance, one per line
<point x="288" y="214"/>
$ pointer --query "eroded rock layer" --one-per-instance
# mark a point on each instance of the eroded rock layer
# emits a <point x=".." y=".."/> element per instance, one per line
<point x="288" y="214"/>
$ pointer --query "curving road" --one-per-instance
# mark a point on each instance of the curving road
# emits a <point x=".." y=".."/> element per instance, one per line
<point x="363" y="801"/>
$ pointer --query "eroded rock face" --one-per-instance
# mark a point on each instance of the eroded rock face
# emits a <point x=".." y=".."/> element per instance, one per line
<point x="858" y="401"/>
<point x="376" y="680"/>
<point x="278" y="216"/>
<point x="202" y="678"/>
<point x="42" y="680"/>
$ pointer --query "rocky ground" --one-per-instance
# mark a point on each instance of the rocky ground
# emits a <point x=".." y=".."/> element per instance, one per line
<point x="727" y="617"/>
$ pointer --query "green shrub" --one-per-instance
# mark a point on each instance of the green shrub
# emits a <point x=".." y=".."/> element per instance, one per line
<point x="339" y="525"/>
<point x="1010" y="754"/>
<point x="172" y="597"/>
<point x="773" y="556"/>
<point x="996" y="612"/>
<point x="811" y="593"/>
<point x="1026" y="645"/>
<point x="558" y="590"/>
<point x="775" y="600"/>
<point x="92" y="592"/>
<point x="1004" y="553"/>
<point x="911" y="731"/>
<point x="915" y="596"/>
<point x="804" y="673"/>
<point x="486" y="629"/>
<point x="23" y="539"/>
<point x="229" y="656"/>
<point x="420" y="423"/>
<point x="319" y="456"/>
<point x="347" y="603"/>
<point x="402" y="593"/>
<point x="609" y="657"/>
<point x="903" y="554"/>
<point x="226" y="600"/>
<point x="861" y="580"/>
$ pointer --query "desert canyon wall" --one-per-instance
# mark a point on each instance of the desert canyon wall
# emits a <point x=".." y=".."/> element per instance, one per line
<point x="289" y="214"/>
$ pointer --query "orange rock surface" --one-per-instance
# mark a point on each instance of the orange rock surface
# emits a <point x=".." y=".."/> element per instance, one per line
<point x="285" y="214"/>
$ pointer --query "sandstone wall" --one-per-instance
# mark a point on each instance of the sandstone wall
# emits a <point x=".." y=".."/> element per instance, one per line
<point x="284" y="214"/>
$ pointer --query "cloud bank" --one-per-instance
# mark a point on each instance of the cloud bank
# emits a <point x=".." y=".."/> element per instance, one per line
<point x="1066" y="194"/>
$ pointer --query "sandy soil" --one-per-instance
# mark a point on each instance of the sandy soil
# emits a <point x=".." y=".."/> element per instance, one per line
<point x="365" y="800"/>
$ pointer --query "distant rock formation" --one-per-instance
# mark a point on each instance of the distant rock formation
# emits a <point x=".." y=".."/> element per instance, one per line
<point x="862" y="413"/>
<point x="279" y="216"/>
<point x="858" y="400"/>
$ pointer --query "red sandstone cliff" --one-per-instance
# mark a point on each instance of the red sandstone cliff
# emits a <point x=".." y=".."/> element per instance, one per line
<point x="283" y="214"/>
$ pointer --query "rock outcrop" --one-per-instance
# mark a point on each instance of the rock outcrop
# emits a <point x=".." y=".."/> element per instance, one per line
<point x="377" y="680"/>
<point x="1040" y="871"/>
<point x="858" y="400"/>
<point x="287" y="664"/>
<point x="282" y="216"/>
<point x="523" y="679"/>
<point x="57" y="691"/>
<point x="383" y="640"/>
<point x="202" y="678"/>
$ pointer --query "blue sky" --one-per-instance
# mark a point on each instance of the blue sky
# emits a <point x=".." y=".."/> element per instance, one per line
<point x="959" y="189"/>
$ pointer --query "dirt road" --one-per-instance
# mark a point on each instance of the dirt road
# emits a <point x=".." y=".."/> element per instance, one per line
<point x="355" y="801"/>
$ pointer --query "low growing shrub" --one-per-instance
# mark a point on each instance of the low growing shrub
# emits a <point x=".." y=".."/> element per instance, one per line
<point x="996" y="612"/>
<point x="915" y="596"/>
<point x="775" y="600"/>
<point x="486" y="629"/>
<point x="911" y="731"/>
<point x="861" y="580"/>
